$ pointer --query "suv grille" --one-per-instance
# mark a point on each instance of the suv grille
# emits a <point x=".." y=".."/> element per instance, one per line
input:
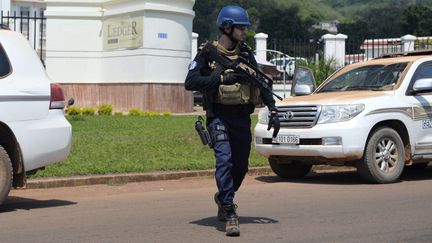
<point x="298" y="116"/>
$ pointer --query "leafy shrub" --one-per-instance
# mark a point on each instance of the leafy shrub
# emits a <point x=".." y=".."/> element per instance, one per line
<point x="321" y="70"/>
<point x="151" y="113"/>
<point x="134" y="112"/>
<point x="88" y="111"/>
<point x="167" y="113"/>
<point x="73" y="111"/>
<point x="105" y="110"/>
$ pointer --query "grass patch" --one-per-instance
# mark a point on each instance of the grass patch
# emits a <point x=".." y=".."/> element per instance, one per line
<point x="122" y="144"/>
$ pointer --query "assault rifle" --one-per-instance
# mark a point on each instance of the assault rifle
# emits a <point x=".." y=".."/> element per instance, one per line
<point x="227" y="63"/>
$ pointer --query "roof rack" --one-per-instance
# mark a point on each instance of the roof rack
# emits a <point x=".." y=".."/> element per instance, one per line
<point x="406" y="54"/>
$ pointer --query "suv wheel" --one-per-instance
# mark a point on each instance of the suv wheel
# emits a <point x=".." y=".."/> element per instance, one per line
<point x="288" y="169"/>
<point x="383" y="160"/>
<point x="5" y="174"/>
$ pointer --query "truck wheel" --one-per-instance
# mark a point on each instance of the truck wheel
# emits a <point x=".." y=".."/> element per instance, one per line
<point x="6" y="174"/>
<point x="383" y="160"/>
<point x="288" y="169"/>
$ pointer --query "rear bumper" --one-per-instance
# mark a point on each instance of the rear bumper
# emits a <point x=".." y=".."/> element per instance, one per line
<point x="44" y="141"/>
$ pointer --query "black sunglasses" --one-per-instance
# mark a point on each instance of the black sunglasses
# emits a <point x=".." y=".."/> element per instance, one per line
<point x="241" y="27"/>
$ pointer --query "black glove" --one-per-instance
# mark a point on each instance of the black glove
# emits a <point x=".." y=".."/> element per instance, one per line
<point x="230" y="78"/>
<point x="274" y="122"/>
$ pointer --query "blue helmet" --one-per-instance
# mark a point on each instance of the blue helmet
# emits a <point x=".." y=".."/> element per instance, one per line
<point x="232" y="15"/>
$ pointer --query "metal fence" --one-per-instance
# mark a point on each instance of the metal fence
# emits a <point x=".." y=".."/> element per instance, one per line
<point x="32" y="26"/>
<point x="301" y="49"/>
<point x="363" y="50"/>
<point x="286" y="54"/>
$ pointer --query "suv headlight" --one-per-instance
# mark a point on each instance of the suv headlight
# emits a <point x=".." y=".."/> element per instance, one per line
<point x="263" y="116"/>
<point x="339" y="113"/>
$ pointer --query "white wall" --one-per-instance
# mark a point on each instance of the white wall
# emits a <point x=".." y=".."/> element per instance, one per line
<point x="75" y="51"/>
<point x="5" y="5"/>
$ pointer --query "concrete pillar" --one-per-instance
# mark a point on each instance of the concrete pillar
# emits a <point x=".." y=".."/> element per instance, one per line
<point x="5" y="6"/>
<point x="408" y="42"/>
<point x="261" y="46"/>
<point x="334" y="48"/>
<point x="194" y="44"/>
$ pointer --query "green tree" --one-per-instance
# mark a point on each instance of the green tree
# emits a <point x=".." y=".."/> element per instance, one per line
<point x="417" y="20"/>
<point x="283" y="23"/>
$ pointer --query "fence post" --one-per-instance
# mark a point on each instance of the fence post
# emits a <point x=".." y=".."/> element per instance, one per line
<point x="5" y="5"/>
<point x="261" y="46"/>
<point x="408" y="43"/>
<point x="194" y="44"/>
<point x="334" y="48"/>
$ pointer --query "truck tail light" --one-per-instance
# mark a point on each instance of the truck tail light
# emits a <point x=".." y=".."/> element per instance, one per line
<point x="57" y="100"/>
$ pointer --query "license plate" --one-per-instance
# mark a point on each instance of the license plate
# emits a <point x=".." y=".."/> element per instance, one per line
<point x="287" y="139"/>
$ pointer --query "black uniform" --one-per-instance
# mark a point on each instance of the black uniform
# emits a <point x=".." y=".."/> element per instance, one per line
<point x="229" y="125"/>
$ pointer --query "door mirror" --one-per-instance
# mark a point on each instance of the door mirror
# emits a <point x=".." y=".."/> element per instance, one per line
<point x="302" y="89"/>
<point x="303" y="76"/>
<point x="422" y="85"/>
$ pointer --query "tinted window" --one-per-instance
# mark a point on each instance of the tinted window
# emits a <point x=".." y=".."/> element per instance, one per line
<point x="5" y="67"/>
<point x="372" y="77"/>
<point x="424" y="71"/>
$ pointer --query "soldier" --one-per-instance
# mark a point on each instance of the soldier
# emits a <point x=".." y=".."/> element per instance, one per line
<point x="229" y="99"/>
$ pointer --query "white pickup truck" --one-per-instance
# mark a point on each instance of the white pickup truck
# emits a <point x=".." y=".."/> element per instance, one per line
<point x="33" y="128"/>
<point x="374" y="115"/>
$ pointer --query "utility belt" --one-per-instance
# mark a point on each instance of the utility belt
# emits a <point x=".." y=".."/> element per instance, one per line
<point x="238" y="94"/>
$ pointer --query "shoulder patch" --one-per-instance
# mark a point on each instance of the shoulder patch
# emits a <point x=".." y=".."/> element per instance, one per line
<point x="193" y="65"/>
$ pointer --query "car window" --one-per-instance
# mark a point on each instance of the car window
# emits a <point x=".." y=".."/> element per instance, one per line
<point x="423" y="71"/>
<point x="371" y="77"/>
<point x="5" y="67"/>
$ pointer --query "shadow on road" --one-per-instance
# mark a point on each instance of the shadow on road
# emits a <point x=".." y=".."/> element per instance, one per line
<point x="16" y="203"/>
<point x="348" y="178"/>
<point x="220" y="226"/>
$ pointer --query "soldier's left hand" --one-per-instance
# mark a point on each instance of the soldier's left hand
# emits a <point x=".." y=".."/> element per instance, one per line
<point x="274" y="122"/>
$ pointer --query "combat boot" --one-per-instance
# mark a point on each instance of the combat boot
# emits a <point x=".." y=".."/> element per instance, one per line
<point x="232" y="227"/>
<point x="220" y="213"/>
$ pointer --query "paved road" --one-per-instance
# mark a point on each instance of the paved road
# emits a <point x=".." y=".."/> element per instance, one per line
<point x="320" y="208"/>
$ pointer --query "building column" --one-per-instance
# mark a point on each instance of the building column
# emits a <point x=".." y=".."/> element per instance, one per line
<point x="334" y="48"/>
<point x="261" y="46"/>
<point x="5" y="6"/>
<point x="194" y="45"/>
<point x="408" y="43"/>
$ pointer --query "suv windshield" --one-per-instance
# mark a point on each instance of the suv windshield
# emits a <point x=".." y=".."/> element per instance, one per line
<point x="372" y="77"/>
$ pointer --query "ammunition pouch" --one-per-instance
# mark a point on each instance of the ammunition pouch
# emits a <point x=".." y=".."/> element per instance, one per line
<point x="238" y="94"/>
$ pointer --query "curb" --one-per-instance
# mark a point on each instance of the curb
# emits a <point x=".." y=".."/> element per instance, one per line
<point x="152" y="176"/>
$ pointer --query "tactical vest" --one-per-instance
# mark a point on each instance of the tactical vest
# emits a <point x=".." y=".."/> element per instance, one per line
<point x="239" y="93"/>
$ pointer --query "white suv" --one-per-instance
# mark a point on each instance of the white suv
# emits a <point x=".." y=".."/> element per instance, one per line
<point x="375" y="115"/>
<point x="34" y="131"/>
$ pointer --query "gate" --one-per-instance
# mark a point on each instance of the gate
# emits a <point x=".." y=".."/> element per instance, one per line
<point x="32" y="26"/>
<point x="286" y="54"/>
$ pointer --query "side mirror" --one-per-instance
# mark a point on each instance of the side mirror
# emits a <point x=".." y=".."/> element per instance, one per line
<point x="422" y="85"/>
<point x="303" y="76"/>
<point x="302" y="89"/>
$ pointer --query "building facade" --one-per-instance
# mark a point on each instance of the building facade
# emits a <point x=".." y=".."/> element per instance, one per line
<point x="127" y="53"/>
